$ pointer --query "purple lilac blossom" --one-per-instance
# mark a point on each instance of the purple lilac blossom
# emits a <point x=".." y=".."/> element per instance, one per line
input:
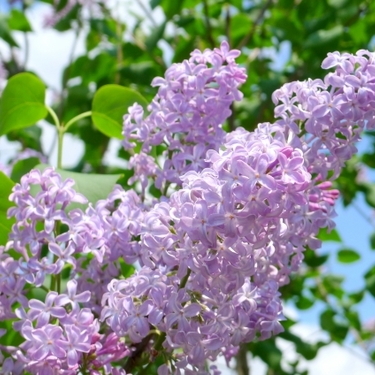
<point x="213" y="253"/>
<point x="240" y="223"/>
<point x="187" y="114"/>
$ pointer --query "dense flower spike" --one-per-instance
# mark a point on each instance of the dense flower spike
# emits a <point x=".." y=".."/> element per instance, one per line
<point x="187" y="114"/>
<point x="213" y="251"/>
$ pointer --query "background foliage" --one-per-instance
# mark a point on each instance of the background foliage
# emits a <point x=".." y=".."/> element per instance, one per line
<point x="281" y="41"/>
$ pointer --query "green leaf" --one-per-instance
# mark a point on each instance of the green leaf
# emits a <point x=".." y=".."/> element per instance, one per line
<point x="126" y="269"/>
<point x="156" y="34"/>
<point x="110" y="104"/>
<point x="22" y="102"/>
<point x="321" y="37"/>
<point x="356" y="297"/>
<point x="18" y="21"/>
<point x="30" y="137"/>
<point x="337" y="329"/>
<point x="369" y="190"/>
<point x="307" y="350"/>
<point x="171" y="7"/>
<point x="6" y="185"/>
<point x="93" y="186"/>
<point x="5" y="33"/>
<point x="347" y="256"/>
<point x="337" y="3"/>
<point x="140" y="73"/>
<point x="353" y="319"/>
<point x="313" y="260"/>
<point x="268" y="352"/>
<point x="333" y="235"/>
<point x="22" y="167"/>
<point x="370" y="280"/>
<point x="154" y="3"/>
<point x="372" y="241"/>
<point x="304" y="303"/>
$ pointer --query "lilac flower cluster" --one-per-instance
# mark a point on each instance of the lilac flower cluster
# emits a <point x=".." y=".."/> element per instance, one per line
<point x="229" y="238"/>
<point x="48" y="240"/>
<point x="212" y="254"/>
<point x="186" y="116"/>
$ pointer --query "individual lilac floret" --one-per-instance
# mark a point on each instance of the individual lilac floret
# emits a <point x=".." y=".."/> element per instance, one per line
<point x="42" y="312"/>
<point x="72" y="297"/>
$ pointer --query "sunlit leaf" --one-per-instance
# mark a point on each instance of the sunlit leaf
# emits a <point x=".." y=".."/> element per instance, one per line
<point x="347" y="256"/>
<point x="22" y="102"/>
<point x="110" y="104"/>
<point x="6" y="185"/>
<point x="333" y="235"/>
<point x="18" y="21"/>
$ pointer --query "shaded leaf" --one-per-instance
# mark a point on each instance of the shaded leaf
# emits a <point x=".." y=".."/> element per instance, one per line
<point x="156" y="34"/>
<point x="93" y="186"/>
<point x="307" y="350"/>
<point x="370" y="280"/>
<point x="313" y="260"/>
<point x="22" y="167"/>
<point x="338" y="330"/>
<point x="304" y="303"/>
<point x="372" y="241"/>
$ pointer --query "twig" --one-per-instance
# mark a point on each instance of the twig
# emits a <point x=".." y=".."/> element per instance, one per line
<point x="242" y="367"/>
<point x="251" y="33"/>
<point x="227" y="24"/>
<point x="119" y="54"/>
<point x="147" y="13"/>
<point x="363" y="214"/>
<point x="208" y="24"/>
<point x="71" y="57"/>
<point x="26" y="40"/>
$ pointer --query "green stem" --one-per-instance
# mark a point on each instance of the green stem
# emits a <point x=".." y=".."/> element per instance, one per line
<point x="54" y="116"/>
<point x="60" y="134"/>
<point x="242" y="366"/>
<point x="158" y="347"/>
<point x="77" y="118"/>
<point x="185" y="279"/>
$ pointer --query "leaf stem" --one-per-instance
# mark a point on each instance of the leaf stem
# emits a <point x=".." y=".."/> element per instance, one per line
<point x="60" y="134"/>
<point x="77" y="118"/>
<point x="54" y="116"/>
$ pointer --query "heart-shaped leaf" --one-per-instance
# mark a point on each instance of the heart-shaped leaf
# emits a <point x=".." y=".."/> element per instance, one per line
<point x="22" y="102"/>
<point x="110" y="104"/>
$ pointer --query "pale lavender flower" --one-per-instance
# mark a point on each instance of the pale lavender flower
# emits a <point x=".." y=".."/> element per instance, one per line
<point x="42" y="311"/>
<point x="72" y="297"/>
